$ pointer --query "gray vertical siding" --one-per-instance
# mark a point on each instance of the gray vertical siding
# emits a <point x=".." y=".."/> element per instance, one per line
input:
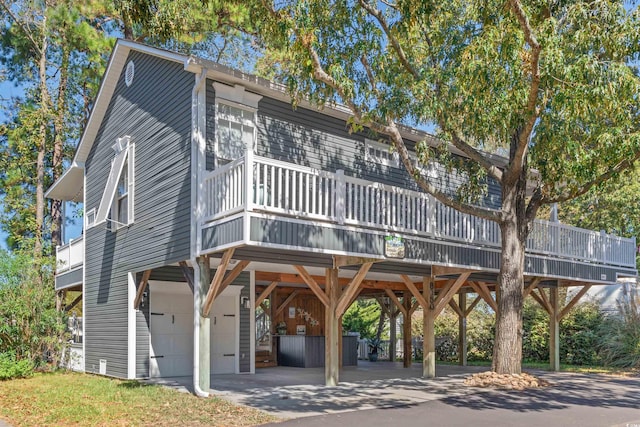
<point x="313" y="139"/>
<point x="245" y="323"/>
<point x="156" y="112"/>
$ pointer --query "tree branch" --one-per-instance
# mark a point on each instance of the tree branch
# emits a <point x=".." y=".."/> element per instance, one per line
<point x="390" y="129"/>
<point x="376" y="13"/>
<point x="622" y="165"/>
<point x="24" y="29"/>
<point x="475" y="155"/>
<point x="520" y="154"/>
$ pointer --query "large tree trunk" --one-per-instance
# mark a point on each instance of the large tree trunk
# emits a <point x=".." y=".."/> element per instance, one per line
<point x="42" y="144"/>
<point x="58" y="146"/>
<point x="507" y="349"/>
<point x="514" y="227"/>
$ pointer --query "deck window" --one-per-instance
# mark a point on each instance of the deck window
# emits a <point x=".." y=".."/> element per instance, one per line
<point x="381" y="154"/>
<point x="117" y="198"/>
<point x="235" y="131"/>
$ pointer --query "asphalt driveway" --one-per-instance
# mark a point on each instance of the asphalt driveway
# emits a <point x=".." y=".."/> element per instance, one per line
<point x="571" y="400"/>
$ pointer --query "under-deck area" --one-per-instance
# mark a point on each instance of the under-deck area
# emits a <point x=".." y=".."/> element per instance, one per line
<point x="289" y="392"/>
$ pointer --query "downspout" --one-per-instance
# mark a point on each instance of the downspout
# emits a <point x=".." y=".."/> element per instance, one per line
<point x="195" y="216"/>
<point x="196" y="331"/>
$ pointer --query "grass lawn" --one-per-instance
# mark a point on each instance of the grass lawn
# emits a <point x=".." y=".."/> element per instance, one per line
<point x="73" y="399"/>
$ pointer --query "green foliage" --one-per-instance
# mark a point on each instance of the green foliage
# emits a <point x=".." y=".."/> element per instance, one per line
<point x="535" y="332"/>
<point x="620" y="335"/>
<point x="579" y="335"/>
<point x="30" y="327"/>
<point x="362" y="317"/>
<point x="612" y="207"/>
<point x="11" y="368"/>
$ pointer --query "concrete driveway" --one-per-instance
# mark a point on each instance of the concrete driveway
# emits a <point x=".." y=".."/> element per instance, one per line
<point x="386" y="394"/>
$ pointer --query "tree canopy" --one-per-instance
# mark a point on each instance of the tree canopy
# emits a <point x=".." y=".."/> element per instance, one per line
<point x="549" y="86"/>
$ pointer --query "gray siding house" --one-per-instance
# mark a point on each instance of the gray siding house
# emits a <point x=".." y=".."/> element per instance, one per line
<point x="202" y="187"/>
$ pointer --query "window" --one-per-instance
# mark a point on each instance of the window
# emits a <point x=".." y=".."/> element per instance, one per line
<point x="235" y="131"/>
<point x="90" y="218"/>
<point x="376" y="152"/>
<point x="117" y="198"/>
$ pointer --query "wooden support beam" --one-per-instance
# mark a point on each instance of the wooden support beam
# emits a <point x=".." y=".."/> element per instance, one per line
<point x="545" y="299"/>
<point x="216" y="283"/>
<point x="554" y="329"/>
<point x="441" y="303"/>
<point x="414" y="307"/>
<point x="188" y="274"/>
<point x="414" y="291"/>
<point x="443" y="292"/>
<point x="286" y="302"/>
<point x="352" y="290"/>
<point x="141" y="288"/>
<point x="573" y="301"/>
<point x="406" y="329"/>
<point x="384" y="306"/>
<point x="531" y="286"/>
<point x="483" y="292"/>
<point x="313" y="285"/>
<point x="472" y="306"/>
<point x="456" y="308"/>
<point x="292" y="278"/>
<point x="540" y="301"/>
<point x="428" y="320"/>
<point x="75" y="302"/>
<point x="265" y="294"/>
<point x="396" y="301"/>
<point x="332" y="329"/>
<point x="462" y="329"/>
<point x="264" y="308"/>
<point x="232" y="275"/>
<point x="344" y="260"/>
<point x="438" y="270"/>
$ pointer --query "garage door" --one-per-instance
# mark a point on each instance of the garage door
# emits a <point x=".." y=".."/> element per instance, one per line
<point x="171" y="327"/>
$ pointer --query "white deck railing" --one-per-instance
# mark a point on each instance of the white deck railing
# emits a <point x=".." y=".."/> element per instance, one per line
<point x="292" y="190"/>
<point x="70" y="255"/>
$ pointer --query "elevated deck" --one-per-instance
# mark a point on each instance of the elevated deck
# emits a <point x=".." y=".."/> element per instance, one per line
<point x="264" y="203"/>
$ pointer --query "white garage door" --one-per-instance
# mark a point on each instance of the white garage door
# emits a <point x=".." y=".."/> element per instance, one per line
<point x="171" y="327"/>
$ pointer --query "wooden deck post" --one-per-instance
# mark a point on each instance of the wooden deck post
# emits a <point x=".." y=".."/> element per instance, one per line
<point x="429" y="337"/>
<point x="407" y="357"/>
<point x="554" y="330"/>
<point x="462" y="329"/>
<point x="204" y="337"/>
<point x="332" y="329"/>
<point x="392" y="333"/>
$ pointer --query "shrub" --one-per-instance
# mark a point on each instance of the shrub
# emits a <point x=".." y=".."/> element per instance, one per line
<point x="30" y="326"/>
<point x="620" y="336"/>
<point x="11" y="368"/>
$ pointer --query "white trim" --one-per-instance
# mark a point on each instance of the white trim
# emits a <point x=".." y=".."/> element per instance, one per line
<point x="207" y="251"/>
<point x="237" y="94"/>
<point x="243" y="122"/>
<point x="201" y="147"/>
<point x="84" y="285"/>
<point x="196" y="196"/>
<point x="87" y="224"/>
<point x="131" y="326"/>
<point x="252" y="322"/>
<point x="124" y="151"/>
<point x="379" y="153"/>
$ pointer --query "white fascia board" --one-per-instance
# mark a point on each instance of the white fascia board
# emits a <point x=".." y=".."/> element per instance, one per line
<point x="70" y="186"/>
